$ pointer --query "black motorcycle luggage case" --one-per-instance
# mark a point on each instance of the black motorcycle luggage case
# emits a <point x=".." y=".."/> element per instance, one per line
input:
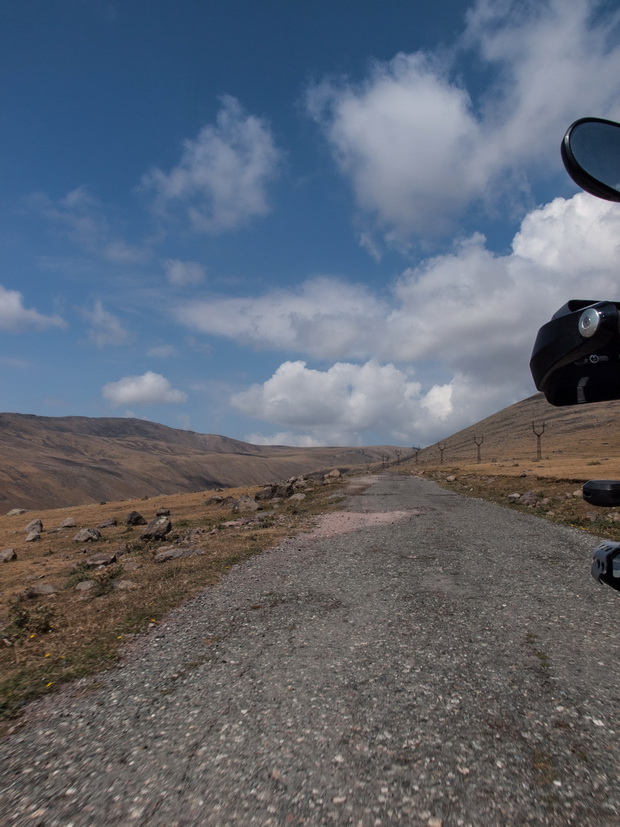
<point x="604" y="493"/>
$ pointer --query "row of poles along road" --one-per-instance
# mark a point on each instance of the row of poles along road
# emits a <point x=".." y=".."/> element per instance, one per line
<point x="538" y="431"/>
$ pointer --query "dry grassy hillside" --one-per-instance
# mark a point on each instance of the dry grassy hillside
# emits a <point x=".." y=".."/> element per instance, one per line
<point x="579" y="442"/>
<point x="53" y="462"/>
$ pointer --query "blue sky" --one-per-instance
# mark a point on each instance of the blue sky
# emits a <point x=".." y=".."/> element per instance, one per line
<point x="327" y="223"/>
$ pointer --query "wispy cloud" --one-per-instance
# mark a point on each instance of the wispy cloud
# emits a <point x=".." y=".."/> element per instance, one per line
<point x="183" y="273"/>
<point x="221" y="179"/>
<point x="15" y="318"/>
<point x="105" y="328"/>
<point x="83" y="219"/>
<point x="321" y="317"/>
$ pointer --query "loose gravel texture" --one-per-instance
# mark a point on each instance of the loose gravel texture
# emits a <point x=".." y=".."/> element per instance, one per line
<point x="457" y="666"/>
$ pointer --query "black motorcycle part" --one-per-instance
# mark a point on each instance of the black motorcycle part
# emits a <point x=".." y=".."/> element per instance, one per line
<point x="606" y="564"/>
<point x="604" y="493"/>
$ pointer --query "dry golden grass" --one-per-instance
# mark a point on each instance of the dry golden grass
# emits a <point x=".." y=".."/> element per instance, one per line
<point x="490" y="482"/>
<point x="577" y="443"/>
<point x="48" y="640"/>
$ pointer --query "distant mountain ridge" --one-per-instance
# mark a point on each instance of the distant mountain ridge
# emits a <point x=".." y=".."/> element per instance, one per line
<point x="53" y="462"/>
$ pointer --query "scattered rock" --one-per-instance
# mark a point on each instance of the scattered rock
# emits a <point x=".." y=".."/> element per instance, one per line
<point x="297" y="497"/>
<point x="33" y="537"/>
<point x="162" y="512"/>
<point x="34" y="525"/>
<point x="135" y="518"/>
<point x="124" y="585"/>
<point x="157" y="529"/>
<point x="68" y="523"/>
<point x="87" y="535"/>
<point x="40" y="590"/>
<point x="513" y="497"/>
<point x="578" y="494"/>
<point x="15" y="512"/>
<point x="173" y="554"/>
<point x="245" y="503"/>
<point x="332" y="476"/>
<point x="264" y="494"/>
<point x="450" y="478"/>
<point x="101" y="560"/>
<point x="7" y="555"/>
<point x="108" y="523"/>
<point x="192" y="535"/>
<point x="529" y="498"/>
<point x="217" y="500"/>
<point x="85" y="585"/>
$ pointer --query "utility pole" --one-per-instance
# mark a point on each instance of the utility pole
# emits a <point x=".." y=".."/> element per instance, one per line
<point x="442" y="448"/>
<point x="416" y="451"/>
<point x="539" y="434"/>
<point x="478" y="444"/>
<point x="398" y="453"/>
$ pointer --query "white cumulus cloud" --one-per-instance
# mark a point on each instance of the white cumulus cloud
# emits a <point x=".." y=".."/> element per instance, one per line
<point x="148" y="389"/>
<point x="464" y="321"/>
<point x="15" y="318"/>
<point x="416" y="148"/>
<point x="221" y="179"/>
<point x="469" y="310"/>
<point x="341" y="405"/>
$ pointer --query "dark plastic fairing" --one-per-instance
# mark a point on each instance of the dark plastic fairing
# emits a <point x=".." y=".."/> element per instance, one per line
<point x="591" y="154"/>
<point x="576" y="355"/>
<point x="606" y="564"/>
<point x="604" y="493"/>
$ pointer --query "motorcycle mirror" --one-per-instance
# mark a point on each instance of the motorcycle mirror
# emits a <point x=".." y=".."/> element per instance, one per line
<point x="591" y="155"/>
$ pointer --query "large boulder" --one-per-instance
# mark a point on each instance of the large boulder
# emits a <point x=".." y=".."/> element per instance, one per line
<point x="135" y="518"/>
<point x="87" y="535"/>
<point x="332" y="476"/>
<point x="157" y="529"/>
<point x="245" y="504"/>
<point x="68" y="523"/>
<point x="7" y="554"/>
<point x="266" y="493"/>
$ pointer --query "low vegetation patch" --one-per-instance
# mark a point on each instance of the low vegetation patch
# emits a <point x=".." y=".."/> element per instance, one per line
<point x="63" y="615"/>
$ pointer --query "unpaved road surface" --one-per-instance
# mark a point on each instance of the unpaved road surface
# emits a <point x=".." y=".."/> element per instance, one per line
<point x="453" y="665"/>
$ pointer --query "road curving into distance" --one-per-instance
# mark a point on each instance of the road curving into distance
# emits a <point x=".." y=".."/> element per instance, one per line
<point x="454" y="666"/>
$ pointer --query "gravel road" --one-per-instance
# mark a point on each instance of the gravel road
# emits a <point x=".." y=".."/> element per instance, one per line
<point x="456" y="667"/>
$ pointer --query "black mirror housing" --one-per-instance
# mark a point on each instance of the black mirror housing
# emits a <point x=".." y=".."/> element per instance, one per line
<point x="591" y="155"/>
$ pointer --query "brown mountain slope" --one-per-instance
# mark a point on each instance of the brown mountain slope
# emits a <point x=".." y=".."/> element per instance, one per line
<point x="52" y="462"/>
<point x="574" y="439"/>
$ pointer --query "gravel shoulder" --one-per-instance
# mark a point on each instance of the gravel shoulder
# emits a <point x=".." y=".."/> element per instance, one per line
<point x="451" y="664"/>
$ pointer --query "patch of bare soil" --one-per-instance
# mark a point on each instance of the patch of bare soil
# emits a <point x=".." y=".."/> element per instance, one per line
<point x="344" y="522"/>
